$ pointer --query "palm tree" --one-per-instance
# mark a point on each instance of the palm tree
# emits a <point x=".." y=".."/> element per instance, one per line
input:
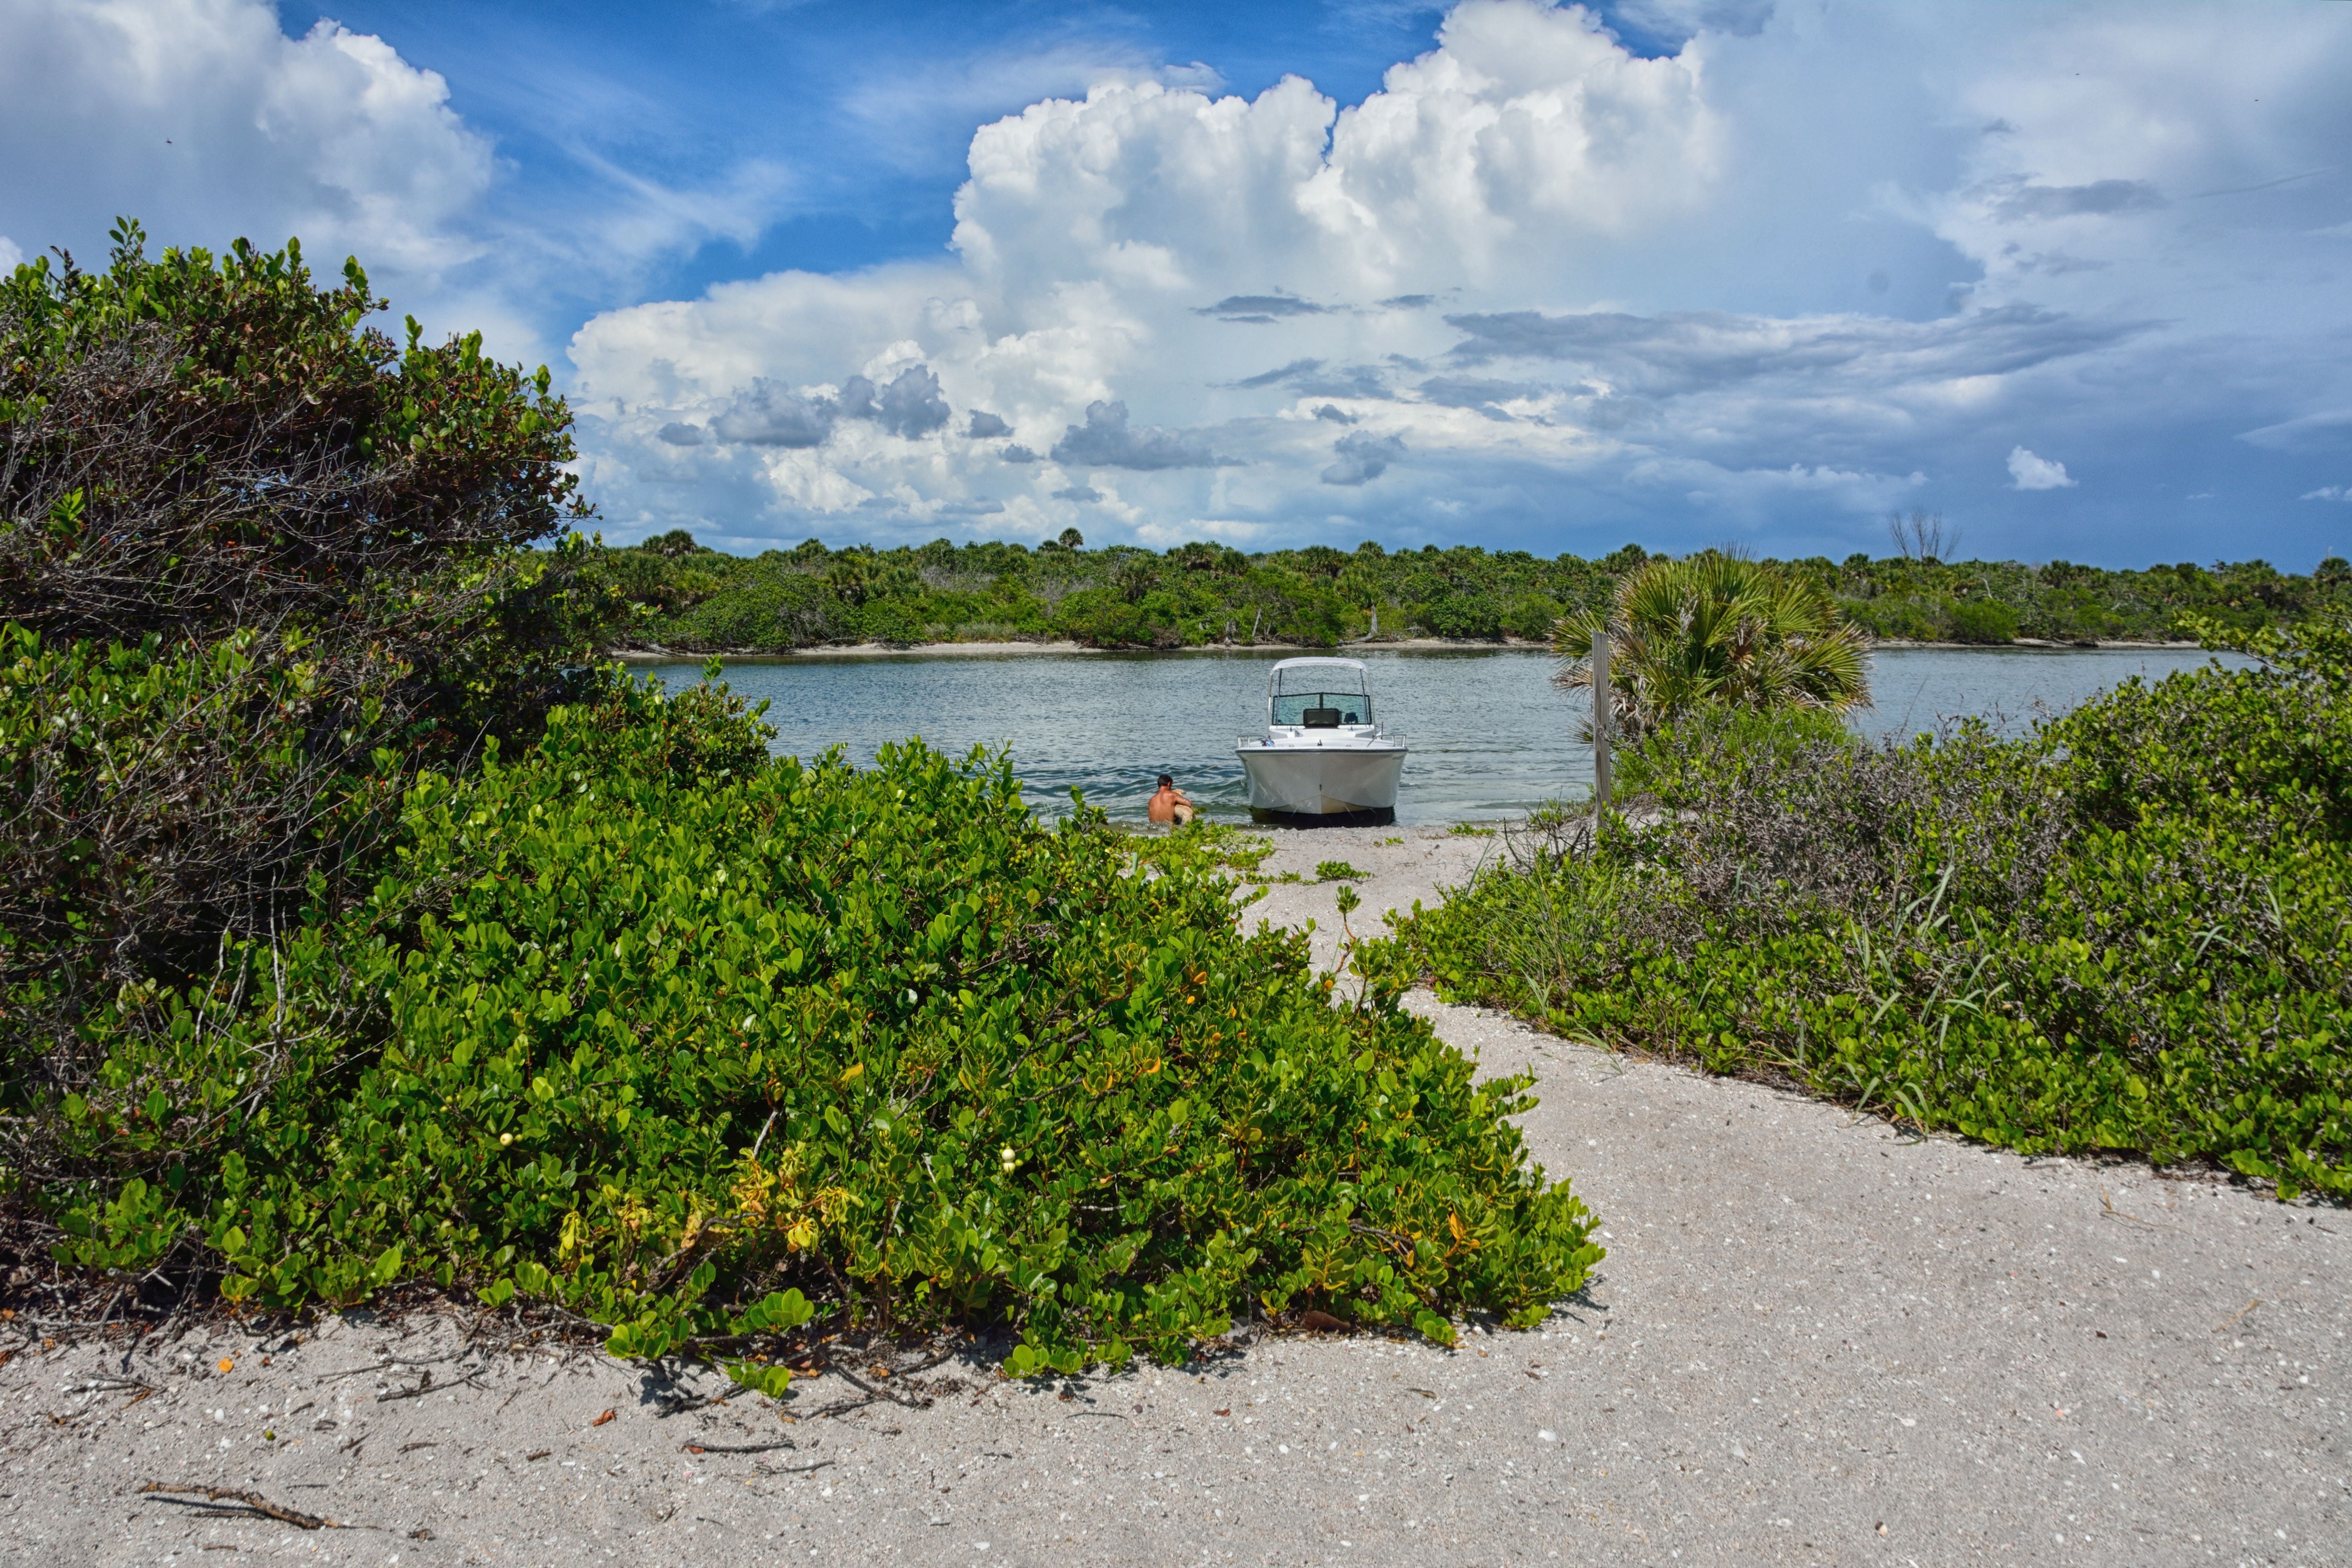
<point x="1715" y="628"/>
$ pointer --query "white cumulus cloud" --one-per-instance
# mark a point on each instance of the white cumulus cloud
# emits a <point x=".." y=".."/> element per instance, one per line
<point x="207" y="121"/>
<point x="1810" y="264"/>
<point x="2029" y="472"/>
<point x="1762" y="274"/>
<point x="1116" y="256"/>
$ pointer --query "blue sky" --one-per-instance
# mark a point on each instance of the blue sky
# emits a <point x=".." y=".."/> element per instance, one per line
<point x="869" y="107"/>
<point x="1680" y="271"/>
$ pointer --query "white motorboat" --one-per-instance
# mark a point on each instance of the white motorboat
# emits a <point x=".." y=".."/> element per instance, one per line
<point x="1323" y="760"/>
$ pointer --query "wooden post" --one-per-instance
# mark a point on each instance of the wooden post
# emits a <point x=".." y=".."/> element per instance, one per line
<point x="1599" y="723"/>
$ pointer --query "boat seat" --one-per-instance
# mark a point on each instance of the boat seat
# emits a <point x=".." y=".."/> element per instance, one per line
<point x="1322" y="719"/>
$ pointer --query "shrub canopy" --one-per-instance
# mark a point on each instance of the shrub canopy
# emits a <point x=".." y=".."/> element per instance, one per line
<point x="658" y="1029"/>
<point x="2126" y="933"/>
<point x="355" y="929"/>
<point x="255" y="563"/>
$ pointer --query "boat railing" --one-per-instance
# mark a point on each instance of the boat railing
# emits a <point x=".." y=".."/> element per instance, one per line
<point x="1385" y="736"/>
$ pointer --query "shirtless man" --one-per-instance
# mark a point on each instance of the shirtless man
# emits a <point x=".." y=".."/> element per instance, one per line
<point x="1169" y="804"/>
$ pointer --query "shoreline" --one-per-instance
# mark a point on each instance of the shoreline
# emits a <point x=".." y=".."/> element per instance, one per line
<point x="2039" y="644"/>
<point x="823" y="651"/>
<point x="1017" y="649"/>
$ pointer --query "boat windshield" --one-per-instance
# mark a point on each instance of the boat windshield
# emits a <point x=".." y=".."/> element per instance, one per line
<point x="1322" y="710"/>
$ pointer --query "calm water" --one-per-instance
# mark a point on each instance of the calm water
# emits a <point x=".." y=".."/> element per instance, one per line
<point x="1489" y="735"/>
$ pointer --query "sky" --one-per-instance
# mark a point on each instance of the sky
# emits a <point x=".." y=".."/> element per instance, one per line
<point x="1752" y="273"/>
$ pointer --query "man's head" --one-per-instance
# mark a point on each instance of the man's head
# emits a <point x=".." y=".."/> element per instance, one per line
<point x="1167" y="781"/>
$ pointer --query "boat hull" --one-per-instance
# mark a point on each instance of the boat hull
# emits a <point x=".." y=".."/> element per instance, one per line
<point x="1323" y="786"/>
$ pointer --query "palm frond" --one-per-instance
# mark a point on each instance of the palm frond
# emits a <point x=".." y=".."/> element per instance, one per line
<point x="1715" y="628"/>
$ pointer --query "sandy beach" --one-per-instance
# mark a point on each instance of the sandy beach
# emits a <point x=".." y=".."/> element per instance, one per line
<point x="1813" y="1340"/>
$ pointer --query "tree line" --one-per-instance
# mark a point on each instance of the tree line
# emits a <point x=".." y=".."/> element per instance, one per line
<point x="689" y="598"/>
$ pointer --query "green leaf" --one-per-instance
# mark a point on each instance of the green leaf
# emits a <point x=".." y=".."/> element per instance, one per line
<point x="772" y="1381"/>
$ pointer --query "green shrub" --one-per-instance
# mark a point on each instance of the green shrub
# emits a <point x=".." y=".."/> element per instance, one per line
<point x="1474" y="617"/>
<point x="1980" y="621"/>
<point x="1678" y="763"/>
<point x="890" y="621"/>
<point x="1100" y="617"/>
<point x="1899" y="617"/>
<point x="1203" y="845"/>
<point x="767" y="609"/>
<point x="1336" y="871"/>
<point x="257" y="562"/>
<point x="1532" y="618"/>
<point x="2127" y="932"/>
<point x="667" y="1041"/>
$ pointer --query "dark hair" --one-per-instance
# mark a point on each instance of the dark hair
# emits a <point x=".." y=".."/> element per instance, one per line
<point x="1167" y="781"/>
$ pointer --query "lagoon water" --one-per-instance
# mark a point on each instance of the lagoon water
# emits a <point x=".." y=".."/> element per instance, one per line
<point x="1490" y="736"/>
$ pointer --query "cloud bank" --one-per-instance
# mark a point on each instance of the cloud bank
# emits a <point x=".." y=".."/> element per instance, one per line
<point x="1703" y="271"/>
<point x="1584" y="287"/>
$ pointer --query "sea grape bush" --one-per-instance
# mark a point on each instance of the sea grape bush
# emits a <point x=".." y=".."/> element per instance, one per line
<point x="357" y="930"/>
<point x="2126" y="933"/>
<point x="698" y="1049"/>
<point x="257" y="563"/>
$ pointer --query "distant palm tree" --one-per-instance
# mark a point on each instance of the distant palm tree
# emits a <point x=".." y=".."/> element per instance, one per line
<point x="1715" y="628"/>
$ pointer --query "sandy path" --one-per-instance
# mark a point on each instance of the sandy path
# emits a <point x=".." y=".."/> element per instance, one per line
<point x="1813" y="1342"/>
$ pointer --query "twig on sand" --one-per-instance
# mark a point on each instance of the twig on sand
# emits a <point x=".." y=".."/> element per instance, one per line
<point x="793" y="1469"/>
<point x="111" y="1384"/>
<point x="2107" y="1206"/>
<point x="256" y="1502"/>
<point x="423" y="1386"/>
<point x="429" y="1386"/>
<point x="2233" y="1320"/>
<point x="872" y="1392"/>
<point x="736" y="1447"/>
<point x="385" y="1364"/>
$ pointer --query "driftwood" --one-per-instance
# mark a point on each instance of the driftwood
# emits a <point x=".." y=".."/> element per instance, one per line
<point x="253" y="1501"/>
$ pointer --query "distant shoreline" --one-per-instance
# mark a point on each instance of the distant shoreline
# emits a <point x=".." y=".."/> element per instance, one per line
<point x="2039" y="644"/>
<point x="823" y="651"/>
<point x="999" y="649"/>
